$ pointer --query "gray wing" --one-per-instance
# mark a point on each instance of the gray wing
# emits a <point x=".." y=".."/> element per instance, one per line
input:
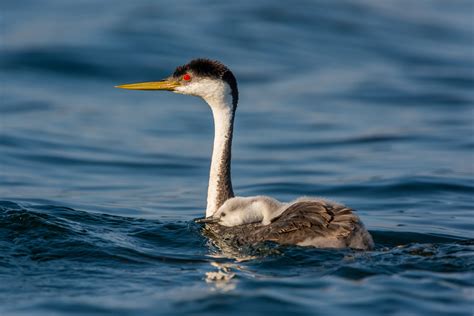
<point x="328" y="223"/>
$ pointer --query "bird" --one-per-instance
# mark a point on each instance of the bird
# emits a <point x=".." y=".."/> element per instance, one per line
<point x="243" y="221"/>
<point x="244" y="210"/>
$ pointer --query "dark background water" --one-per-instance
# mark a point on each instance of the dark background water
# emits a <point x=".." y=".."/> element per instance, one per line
<point x="369" y="103"/>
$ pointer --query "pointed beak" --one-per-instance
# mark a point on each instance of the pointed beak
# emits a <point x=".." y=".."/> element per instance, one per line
<point x="205" y="220"/>
<point x="167" y="84"/>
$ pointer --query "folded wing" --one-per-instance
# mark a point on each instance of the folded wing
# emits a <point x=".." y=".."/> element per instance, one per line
<point x="310" y="222"/>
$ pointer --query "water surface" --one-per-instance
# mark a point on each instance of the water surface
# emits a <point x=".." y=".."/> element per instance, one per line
<point x="366" y="103"/>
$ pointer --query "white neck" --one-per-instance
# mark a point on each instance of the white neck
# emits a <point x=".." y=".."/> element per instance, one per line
<point x="220" y="183"/>
<point x="252" y="215"/>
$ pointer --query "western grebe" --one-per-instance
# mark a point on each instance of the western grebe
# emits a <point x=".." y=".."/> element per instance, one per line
<point x="251" y="220"/>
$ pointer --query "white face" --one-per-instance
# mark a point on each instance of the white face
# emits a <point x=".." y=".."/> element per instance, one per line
<point x="215" y="92"/>
<point x="231" y="217"/>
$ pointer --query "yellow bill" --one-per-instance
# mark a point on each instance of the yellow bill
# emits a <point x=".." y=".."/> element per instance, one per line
<point x="152" y="85"/>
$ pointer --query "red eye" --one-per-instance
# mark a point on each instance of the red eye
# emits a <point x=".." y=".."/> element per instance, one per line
<point x="187" y="77"/>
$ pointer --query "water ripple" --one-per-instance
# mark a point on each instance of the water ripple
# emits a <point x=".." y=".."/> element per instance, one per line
<point x="366" y="102"/>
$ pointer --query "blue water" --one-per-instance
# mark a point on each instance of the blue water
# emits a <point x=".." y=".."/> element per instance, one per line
<point x="369" y="103"/>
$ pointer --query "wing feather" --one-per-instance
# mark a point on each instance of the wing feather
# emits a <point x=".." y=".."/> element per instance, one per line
<point x="301" y="221"/>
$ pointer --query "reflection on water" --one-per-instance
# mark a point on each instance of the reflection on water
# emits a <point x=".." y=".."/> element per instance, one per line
<point x="365" y="102"/>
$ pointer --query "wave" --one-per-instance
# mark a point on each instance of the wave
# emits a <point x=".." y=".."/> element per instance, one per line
<point x="389" y="187"/>
<point x="61" y="232"/>
<point x="71" y="250"/>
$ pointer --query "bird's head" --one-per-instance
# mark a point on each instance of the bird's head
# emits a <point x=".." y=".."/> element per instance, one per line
<point x="226" y="218"/>
<point x="208" y="79"/>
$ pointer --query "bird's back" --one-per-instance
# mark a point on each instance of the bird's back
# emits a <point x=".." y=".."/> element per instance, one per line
<point x="305" y="222"/>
